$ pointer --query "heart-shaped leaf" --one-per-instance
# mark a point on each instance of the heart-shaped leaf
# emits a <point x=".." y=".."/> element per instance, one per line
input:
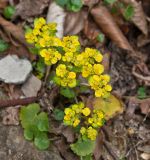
<point x="83" y="148"/>
<point x="41" y="141"/>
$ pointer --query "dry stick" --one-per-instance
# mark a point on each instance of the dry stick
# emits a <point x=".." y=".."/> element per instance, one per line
<point x="15" y="102"/>
<point x="109" y="149"/>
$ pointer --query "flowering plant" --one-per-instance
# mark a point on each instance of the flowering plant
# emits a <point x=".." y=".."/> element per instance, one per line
<point x="71" y="63"/>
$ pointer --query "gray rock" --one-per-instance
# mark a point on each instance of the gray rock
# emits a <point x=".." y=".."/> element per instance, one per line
<point x="31" y="86"/>
<point x="13" y="146"/>
<point x="14" y="70"/>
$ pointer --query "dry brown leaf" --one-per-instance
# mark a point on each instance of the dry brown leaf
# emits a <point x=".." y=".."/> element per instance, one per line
<point x="106" y="22"/>
<point x="91" y="30"/>
<point x="98" y="146"/>
<point x="74" y="22"/>
<point x="14" y="30"/>
<point x="11" y="116"/>
<point x="68" y="134"/>
<point x="3" y="4"/>
<point x="63" y="148"/>
<point x="139" y="18"/>
<point x="90" y="3"/>
<point x="30" y="8"/>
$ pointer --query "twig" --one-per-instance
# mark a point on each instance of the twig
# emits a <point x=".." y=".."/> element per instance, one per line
<point x="15" y="102"/>
<point x="109" y="149"/>
<point x="46" y="75"/>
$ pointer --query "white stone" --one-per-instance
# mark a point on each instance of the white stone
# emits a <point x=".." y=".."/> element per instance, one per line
<point x="14" y="70"/>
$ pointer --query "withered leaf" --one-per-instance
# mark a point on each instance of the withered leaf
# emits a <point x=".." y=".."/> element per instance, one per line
<point x="14" y="30"/>
<point x="28" y="8"/>
<point x="74" y="22"/>
<point x="106" y="22"/>
<point x="139" y="18"/>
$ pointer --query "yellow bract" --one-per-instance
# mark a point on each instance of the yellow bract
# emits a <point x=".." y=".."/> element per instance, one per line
<point x="86" y="111"/>
<point x="78" y="113"/>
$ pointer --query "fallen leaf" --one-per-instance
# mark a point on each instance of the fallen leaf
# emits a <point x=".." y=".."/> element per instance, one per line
<point x="31" y="87"/>
<point x="14" y="30"/>
<point x="106" y="22"/>
<point x="98" y="146"/>
<point x="145" y="156"/>
<point x="57" y="14"/>
<point x="3" y="4"/>
<point x="139" y="18"/>
<point x="90" y="3"/>
<point x="68" y="134"/>
<point x="91" y="30"/>
<point x="64" y="150"/>
<point x="142" y="40"/>
<point x="111" y="106"/>
<point x="11" y="116"/>
<point x="145" y="148"/>
<point x="28" y="8"/>
<point x="74" y="22"/>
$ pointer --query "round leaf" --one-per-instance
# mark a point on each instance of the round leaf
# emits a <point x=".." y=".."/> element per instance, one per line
<point x="41" y="141"/>
<point x="83" y="148"/>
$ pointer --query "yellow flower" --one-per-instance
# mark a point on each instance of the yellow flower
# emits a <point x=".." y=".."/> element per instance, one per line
<point x="86" y="111"/>
<point x="98" y="57"/>
<point x="98" y="69"/>
<point x="91" y="133"/>
<point x="36" y="32"/>
<point x="67" y="117"/>
<point x="76" y="122"/>
<point x="87" y="70"/>
<point x="90" y="120"/>
<point x="72" y="75"/>
<point x="99" y="93"/>
<point x="108" y="88"/>
<point x="39" y="22"/>
<point x="68" y="110"/>
<point x="73" y="83"/>
<point x="61" y="70"/>
<point x="70" y="43"/>
<point x="68" y="57"/>
<point x="83" y="130"/>
<point x="42" y="42"/>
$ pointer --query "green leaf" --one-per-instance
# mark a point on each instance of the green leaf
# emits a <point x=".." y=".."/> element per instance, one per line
<point x="29" y="133"/>
<point x="74" y="5"/>
<point x="67" y="92"/>
<point x="9" y="11"/>
<point x="34" y="50"/>
<point x="110" y="106"/>
<point x="110" y="1"/>
<point x="62" y="2"/>
<point x="83" y="148"/>
<point x="58" y="114"/>
<point x="129" y="12"/>
<point x="28" y="115"/>
<point x="141" y="93"/>
<point x="3" y="45"/>
<point x="88" y="157"/>
<point x="42" y="122"/>
<point x="101" y="37"/>
<point x="41" y="141"/>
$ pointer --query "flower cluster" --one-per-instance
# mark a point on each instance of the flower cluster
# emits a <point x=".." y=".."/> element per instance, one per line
<point x="72" y="62"/>
<point x="100" y="84"/>
<point x="79" y="114"/>
<point x="64" y="77"/>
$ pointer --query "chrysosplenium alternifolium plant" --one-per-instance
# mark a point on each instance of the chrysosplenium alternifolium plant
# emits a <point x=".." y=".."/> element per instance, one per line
<point x="71" y="62"/>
